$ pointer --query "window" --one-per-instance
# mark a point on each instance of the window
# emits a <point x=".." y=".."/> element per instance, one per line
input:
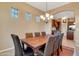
<point x="37" y="18"/>
<point x="14" y="12"/>
<point x="28" y="16"/>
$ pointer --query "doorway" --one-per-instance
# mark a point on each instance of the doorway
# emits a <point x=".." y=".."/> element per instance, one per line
<point x="57" y="24"/>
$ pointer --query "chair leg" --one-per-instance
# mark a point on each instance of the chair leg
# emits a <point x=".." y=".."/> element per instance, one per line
<point x="52" y="54"/>
<point x="23" y="46"/>
<point x="61" y="47"/>
<point x="58" y="53"/>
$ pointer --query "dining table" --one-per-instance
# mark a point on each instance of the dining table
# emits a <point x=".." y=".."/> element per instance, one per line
<point x="35" y="43"/>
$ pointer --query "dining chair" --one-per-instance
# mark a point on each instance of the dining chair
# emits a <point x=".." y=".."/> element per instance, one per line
<point x="18" y="47"/>
<point x="43" y="33"/>
<point x="29" y="35"/>
<point x="60" y="43"/>
<point x="37" y="34"/>
<point x="57" y="42"/>
<point x="48" y="50"/>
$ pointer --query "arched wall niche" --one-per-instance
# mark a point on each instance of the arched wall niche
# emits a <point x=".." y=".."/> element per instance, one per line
<point x="69" y="13"/>
<point x="69" y="20"/>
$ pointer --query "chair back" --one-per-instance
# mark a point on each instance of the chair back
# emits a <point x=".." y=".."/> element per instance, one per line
<point x="28" y="35"/>
<point x="17" y="44"/>
<point x="37" y="34"/>
<point x="57" y="40"/>
<point x="61" y="38"/>
<point x="43" y="33"/>
<point x="49" y="46"/>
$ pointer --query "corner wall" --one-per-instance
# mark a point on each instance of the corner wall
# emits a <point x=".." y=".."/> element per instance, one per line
<point x="75" y="8"/>
<point x="18" y="26"/>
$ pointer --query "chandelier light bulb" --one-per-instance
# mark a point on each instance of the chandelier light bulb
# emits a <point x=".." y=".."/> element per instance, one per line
<point x="42" y="16"/>
<point x="47" y="15"/>
<point x="48" y="18"/>
<point x="51" y="17"/>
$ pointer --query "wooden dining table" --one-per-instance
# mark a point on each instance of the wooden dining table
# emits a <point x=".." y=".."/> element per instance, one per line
<point x="35" y="43"/>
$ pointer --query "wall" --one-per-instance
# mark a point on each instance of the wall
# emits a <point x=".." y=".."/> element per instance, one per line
<point x="70" y="7"/>
<point x="68" y="14"/>
<point x="48" y="27"/>
<point x="19" y="26"/>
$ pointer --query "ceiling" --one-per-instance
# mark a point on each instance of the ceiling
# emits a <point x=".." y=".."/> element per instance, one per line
<point x="50" y="5"/>
<point x="68" y="14"/>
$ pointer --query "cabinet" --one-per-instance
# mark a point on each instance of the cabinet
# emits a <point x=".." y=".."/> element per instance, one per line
<point x="70" y="35"/>
<point x="70" y="28"/>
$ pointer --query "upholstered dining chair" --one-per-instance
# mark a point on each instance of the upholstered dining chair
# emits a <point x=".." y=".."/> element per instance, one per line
<point x="48" y="50"/>
<point x="43" y="33"/>
<point x="37" y="34"/>
<point x="18" y="47"/>
<point x="29" y="35"/>
<point x="60" y="43"/>
<point x="57" y="42"/>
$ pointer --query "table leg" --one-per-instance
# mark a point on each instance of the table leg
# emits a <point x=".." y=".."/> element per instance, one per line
<point x="35" y="51"/>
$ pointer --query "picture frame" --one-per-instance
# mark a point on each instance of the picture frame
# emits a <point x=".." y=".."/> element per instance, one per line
<point x="64" y="20"/>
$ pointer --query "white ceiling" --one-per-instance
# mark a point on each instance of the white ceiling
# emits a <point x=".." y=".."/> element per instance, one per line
<point x="50" y="5"/>
<point x="68" y="14"/>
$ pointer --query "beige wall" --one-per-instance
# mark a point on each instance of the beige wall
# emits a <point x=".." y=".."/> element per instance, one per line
<point x="70" y="7"/>
<point x="20" y="26"/>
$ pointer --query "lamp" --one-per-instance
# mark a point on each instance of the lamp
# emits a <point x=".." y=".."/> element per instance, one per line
<point x="64" y="19"/>
<point x="47" y="16"/>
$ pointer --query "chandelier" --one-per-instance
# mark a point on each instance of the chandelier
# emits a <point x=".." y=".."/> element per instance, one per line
<point x="46" y="17"/>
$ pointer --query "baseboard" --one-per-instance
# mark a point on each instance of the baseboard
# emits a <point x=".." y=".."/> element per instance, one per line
<point x="74" y="54"/>
<point x="5" y="50"/>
